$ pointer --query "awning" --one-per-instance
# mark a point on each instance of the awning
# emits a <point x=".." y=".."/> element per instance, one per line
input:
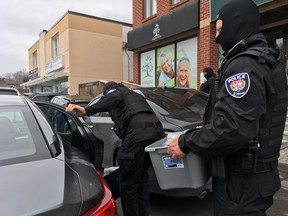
<point x="48" y="77"/>
<point x="176" y="22"/>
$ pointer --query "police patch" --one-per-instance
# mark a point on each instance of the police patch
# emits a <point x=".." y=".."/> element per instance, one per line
<point x="238" y="85"/>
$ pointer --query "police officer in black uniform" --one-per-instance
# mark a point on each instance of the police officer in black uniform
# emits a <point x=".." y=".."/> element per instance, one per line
<point x="138" y="126"/>
<point x="210" y="79"/>
<point x="245" y="116"/>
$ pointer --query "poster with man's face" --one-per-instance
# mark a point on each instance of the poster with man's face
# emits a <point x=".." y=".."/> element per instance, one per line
<point x="186" y="67"/>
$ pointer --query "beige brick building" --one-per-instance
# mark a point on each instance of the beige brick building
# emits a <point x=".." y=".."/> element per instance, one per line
<point x="77" y="49"/>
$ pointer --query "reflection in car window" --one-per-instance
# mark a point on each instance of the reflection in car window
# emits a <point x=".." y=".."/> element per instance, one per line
<point x="58" y="120"/>
<point x="15" y="135"/>
<point x="177" y="103"/>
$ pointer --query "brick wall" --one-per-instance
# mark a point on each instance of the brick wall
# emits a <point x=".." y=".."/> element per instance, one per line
<point x="207" y="48"/>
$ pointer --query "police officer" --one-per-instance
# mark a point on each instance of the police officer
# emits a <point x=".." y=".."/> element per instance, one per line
<point x="210" y="79"/>
<point x="244" y="118"/>
<point x="138" y="126"/>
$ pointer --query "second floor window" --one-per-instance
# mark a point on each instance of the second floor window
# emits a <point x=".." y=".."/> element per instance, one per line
<point x="35" y="59"/>
<point x="174" y="2"/>
<point x="150" y="8"/>
<point x="55" y="45"/>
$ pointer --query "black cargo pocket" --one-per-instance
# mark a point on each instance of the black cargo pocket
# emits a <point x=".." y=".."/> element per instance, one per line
<point x="144" y="134"/>
<point x="269" y="188"/>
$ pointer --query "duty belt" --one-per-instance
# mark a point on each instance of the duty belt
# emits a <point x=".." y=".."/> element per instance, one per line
<point x="260" y="167"/>
<point x="136" y="125"/>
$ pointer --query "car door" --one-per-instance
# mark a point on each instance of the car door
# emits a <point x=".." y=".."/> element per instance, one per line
<point x="73" y="132"/>
<point x="100" y="124"/>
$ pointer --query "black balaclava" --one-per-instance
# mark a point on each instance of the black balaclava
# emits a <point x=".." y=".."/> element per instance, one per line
<point x="108" y="86"/>
<point x="209" y="72"/>
<point x="240" y="19"/>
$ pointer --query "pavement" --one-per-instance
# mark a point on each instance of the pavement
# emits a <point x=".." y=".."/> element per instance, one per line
<point x="283" y="159"/>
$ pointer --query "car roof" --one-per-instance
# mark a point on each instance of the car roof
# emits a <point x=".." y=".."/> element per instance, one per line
<point x="11" y="100"/>
<point x="9" y="91"/>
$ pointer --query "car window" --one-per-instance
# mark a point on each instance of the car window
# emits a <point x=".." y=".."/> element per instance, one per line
<point x="177" y="103"/>
<point x="59" y="121"/>
<point x="15" y="136"/>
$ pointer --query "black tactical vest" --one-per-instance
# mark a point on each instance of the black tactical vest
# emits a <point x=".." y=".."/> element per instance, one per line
<point x="132" y="104"/>
<point x="273" y="123"/>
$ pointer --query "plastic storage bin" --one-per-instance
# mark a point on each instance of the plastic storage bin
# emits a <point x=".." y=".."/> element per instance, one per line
<point x="188" y="172"/>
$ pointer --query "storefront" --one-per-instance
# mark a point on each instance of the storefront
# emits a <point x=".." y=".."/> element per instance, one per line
<point x="167" y="45"/>
<point x="187" y="31"/>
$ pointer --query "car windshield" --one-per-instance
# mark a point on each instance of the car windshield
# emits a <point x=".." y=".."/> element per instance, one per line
<point x="20" y="137"/>
<point x="177" y="103"/>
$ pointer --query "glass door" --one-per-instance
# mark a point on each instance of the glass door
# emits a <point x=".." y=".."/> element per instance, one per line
<point x="278" y="39"/>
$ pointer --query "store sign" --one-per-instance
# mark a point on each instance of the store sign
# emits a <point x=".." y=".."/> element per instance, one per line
<point x="33" y="74"/>
<point x="55" y="64"/>
<point x="156" y="32"/>
<point x="216" y="5"/>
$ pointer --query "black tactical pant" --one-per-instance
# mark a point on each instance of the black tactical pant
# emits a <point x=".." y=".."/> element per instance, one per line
<point x="133" y="164"/>
<point x="245" y="194"/>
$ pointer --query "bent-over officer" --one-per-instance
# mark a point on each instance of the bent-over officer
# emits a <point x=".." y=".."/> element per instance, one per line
<point x="138" y="126"/>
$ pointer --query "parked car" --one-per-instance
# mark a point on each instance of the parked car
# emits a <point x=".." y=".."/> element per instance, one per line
<point x="42" y="96"/>
<point x="178" y="109"/>
<point x="9" y="91"/>
<point x="64" y="100"/>
<point x="43" y="172"/>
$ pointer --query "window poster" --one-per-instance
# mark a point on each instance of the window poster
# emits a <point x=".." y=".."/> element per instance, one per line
<point x="186" y="67"/>
<point x="165" y="66"/>
<point x="147" y="68"/>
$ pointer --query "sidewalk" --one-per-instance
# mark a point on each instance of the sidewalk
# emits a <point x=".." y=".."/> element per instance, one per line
<point x="283" y="160"/>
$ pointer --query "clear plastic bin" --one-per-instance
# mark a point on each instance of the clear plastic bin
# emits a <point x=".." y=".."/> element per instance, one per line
<point x="188" y="172"/>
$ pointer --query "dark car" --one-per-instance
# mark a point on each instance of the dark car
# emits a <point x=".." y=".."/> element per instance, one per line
<point x="44" y="172"/>
<point x="178" y="109"/>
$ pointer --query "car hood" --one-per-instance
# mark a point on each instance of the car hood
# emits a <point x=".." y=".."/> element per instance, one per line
<point x="32" y="187"/>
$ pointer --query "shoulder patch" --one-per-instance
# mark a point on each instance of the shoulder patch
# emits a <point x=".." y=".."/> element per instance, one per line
<point x="238" y="85"/>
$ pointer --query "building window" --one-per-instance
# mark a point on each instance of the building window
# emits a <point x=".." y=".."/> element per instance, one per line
<point x="55" y="45"/>
<point x="35" y="59"/>
<point x="150" y="8"/>
<point x="175" y="2"/>
<point x="171" y="65"/>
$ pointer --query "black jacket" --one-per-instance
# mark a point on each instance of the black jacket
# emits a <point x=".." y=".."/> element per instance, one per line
<point x="237" y="105"/>
<point x="207" y="85"/>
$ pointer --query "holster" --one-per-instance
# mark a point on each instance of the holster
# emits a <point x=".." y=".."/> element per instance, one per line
<point x="218" y="168"/>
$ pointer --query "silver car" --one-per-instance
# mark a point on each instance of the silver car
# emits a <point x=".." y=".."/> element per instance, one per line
<point x="43" y="173"/>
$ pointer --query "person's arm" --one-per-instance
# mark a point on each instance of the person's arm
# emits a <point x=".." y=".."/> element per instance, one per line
<point x="80" y="111"/>
<point x="105" y="104"/>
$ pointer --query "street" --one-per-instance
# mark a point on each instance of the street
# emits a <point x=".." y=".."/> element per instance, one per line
<point x="171" y="206"/>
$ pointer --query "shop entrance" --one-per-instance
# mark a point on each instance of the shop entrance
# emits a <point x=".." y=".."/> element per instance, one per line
<point x="278" y="38"/>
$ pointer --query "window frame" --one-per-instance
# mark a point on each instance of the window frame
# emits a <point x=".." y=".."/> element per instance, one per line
<point x="173" y="2"/>
<point x="35" y="62"/>
<point x="55" y="45"/>
<point x="149" y="8"/>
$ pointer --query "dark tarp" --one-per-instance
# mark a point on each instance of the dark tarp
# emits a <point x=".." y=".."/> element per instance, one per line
<point x="179" y="20"/>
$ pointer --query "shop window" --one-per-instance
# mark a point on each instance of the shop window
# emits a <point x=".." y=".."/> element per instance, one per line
<point x="55" y="45"/>
<point x="150" y="8"/>
<point x="172" y="65"/>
